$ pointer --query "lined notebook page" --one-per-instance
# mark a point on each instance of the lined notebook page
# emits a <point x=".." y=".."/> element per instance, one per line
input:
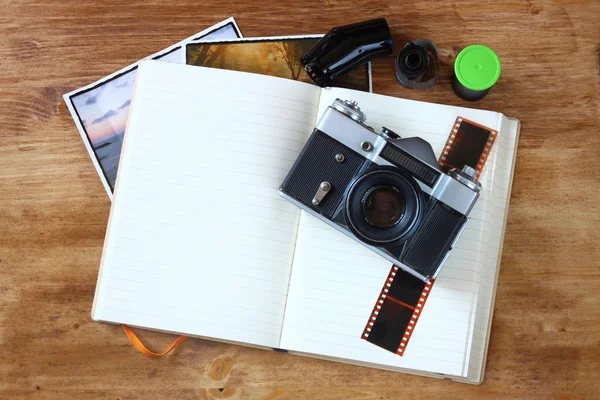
<point x="501" y="174"/>
<point x="199" y="241"/>
<point x="336" y="281"/>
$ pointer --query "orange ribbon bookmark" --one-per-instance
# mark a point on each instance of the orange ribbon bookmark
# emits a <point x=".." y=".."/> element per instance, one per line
<point x="137" y="343"/>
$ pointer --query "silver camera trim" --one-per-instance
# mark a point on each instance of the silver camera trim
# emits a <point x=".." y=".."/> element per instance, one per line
<point x="457" y="189"/>
<point x="352" y="134"/>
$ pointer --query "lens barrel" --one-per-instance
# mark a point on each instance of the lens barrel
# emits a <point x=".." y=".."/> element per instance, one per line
<point x="383" y="206"/>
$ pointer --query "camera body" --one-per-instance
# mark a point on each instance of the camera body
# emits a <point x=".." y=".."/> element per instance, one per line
<point x="386" y="192"/>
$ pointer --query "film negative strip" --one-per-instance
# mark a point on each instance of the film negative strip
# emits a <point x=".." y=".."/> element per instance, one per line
<point x="397" y="311"/>
<point x="402" y="299"/>
<point x="469" y="143"/>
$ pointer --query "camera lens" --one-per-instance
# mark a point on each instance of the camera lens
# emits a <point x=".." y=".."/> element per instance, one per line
<point x="383" y="206"/>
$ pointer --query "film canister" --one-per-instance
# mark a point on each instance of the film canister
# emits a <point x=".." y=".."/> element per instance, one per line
<point x="476" y="70"/>
<point x="417" y="64"/>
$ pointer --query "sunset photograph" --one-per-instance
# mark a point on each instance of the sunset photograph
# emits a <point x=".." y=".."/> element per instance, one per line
<point x="103" y="109"/>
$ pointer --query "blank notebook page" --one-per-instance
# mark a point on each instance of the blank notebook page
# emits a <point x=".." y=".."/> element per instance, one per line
<point x="335" y="281"/>
<point x="199" y="241"/>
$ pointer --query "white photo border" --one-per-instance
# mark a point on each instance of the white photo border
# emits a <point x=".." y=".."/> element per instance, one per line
<point x="68" y="97"/>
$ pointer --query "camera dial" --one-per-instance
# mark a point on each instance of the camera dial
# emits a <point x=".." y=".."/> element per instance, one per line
<point x="468" y="177"/>
<point x="350" y="109"/>
<point x="389" y="134"/>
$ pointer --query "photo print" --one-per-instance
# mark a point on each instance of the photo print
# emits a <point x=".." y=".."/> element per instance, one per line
<point x="274" y="56"/>
<point x="100" y="109"/>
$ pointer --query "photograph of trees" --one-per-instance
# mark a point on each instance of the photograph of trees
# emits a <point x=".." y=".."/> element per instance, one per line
<point x="275" y="57"/>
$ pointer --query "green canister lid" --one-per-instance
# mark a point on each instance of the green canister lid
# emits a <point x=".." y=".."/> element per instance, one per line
<point x="477" y="67"/>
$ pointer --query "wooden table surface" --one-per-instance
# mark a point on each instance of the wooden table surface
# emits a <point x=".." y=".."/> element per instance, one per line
<point x="545" y="340"/>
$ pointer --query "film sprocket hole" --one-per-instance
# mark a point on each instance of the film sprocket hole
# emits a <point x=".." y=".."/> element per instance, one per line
<point x="384" y="191"/>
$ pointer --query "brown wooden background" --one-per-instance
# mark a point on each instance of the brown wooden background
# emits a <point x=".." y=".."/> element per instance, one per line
<point x="545" y="340"/>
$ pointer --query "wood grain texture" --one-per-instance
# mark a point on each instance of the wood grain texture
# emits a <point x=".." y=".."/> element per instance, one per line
<point x="545" y="339"/>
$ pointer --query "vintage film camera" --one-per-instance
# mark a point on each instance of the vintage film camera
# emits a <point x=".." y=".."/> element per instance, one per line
<point x="386" y="192"/>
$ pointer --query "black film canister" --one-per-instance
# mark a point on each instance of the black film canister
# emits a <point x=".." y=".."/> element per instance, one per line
<point x="346" y="47"/>
<point x="417" y="64"/>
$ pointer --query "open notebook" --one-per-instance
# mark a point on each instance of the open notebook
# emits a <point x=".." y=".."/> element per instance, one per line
<point x="200" y="243"/>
